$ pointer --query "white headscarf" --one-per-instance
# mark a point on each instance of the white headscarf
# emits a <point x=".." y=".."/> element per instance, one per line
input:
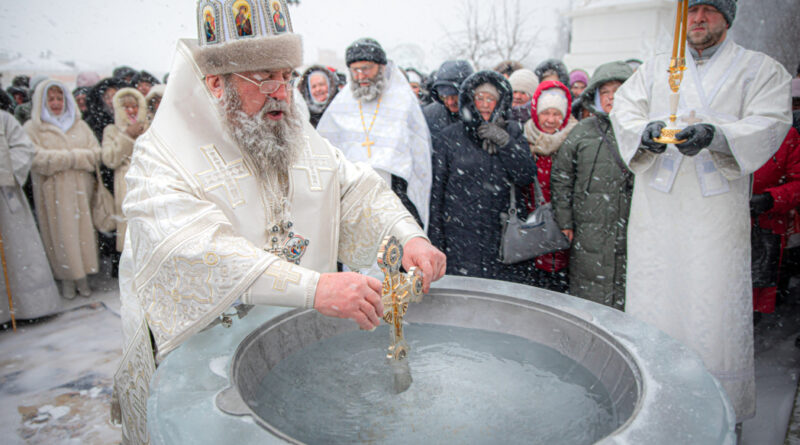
<point x="66" y="119"/>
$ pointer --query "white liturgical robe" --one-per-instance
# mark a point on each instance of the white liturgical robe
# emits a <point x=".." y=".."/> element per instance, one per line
<point x="198" y="236"/>
<point x="689" y="228"/>
<point x="402" y="142"/>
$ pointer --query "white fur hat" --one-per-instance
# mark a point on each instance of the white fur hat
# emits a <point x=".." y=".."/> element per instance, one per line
<point x="245" y="35"/>
<point x="487" y="88"/>
<point x="552" y="98"/>
<point x="524" y="80"/>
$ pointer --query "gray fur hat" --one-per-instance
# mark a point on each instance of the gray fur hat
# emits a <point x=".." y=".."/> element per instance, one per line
<point x="726" y="7"/>
<point x="365" y="49"/>
<point x="245" y="35"/>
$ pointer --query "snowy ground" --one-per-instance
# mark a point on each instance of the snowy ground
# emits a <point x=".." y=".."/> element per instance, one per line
<point x="55" y="374"/>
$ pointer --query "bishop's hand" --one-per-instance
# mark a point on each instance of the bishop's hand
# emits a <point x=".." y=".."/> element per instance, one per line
<point x="420" y="253"/>
<point x="350" y="295"/>
<point x="698" y="137"/>
<point x="651" y="132"/>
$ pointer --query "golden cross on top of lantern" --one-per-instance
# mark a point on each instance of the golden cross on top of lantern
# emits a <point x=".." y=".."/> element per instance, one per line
<point x="677" y="65"/>
<point x="398" y="290"/>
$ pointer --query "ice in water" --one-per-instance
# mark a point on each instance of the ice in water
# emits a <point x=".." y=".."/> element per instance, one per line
<point x="470" y="386"/>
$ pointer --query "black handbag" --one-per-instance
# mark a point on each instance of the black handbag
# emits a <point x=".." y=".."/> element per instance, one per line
<point x="537" y="235"/>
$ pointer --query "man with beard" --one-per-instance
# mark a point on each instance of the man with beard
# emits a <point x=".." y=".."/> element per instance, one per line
<point x="378" y="120"/>
<point x="232" y="197"/>
<point x="689" y="228"/>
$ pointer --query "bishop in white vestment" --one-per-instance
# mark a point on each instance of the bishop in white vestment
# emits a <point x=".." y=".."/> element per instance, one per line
<point x="213" y="221"/>
<point x="689" y="229"/>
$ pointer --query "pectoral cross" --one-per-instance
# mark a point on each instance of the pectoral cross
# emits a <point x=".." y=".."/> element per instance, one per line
<point x="369" y="145"/>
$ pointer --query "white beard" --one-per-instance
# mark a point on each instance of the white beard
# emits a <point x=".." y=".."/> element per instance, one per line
<point x="271" y="145"/>
<point x="370" y="92"/>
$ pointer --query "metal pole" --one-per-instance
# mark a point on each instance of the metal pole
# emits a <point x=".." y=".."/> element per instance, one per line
<point x="8" y="285"/>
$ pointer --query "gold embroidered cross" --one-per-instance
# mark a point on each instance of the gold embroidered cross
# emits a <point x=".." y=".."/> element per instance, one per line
<point x="313" y="164"/>
<point x="223" y="175"/>
<point x="281" y="271"/>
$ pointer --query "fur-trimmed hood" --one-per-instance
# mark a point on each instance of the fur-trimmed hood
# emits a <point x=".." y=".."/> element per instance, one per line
<point x="555" y="65"/>
<point x="467" y="110"/>
<point x="121" y="119"/>
<point x="333" y="88"/>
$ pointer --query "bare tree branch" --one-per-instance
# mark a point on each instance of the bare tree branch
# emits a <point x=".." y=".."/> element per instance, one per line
<point x="485" y="39"/>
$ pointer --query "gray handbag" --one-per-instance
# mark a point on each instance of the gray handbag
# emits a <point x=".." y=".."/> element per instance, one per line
<point x="537" y="235"/>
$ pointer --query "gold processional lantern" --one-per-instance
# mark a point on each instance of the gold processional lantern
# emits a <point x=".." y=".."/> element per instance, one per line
<point x="677" y="65"/>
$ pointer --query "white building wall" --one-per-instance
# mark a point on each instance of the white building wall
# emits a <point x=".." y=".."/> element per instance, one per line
<point x="608" y="30"/>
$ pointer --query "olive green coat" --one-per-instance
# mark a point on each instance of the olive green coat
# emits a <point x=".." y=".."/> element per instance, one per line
<point x="592" y="195"/>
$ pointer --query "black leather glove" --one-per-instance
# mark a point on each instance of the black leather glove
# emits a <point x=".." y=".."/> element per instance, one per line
<point x="652" y="131"/>
<point x="763" y="202"/>
<point x="494" y="134"/>
<point x="698" y="137"/>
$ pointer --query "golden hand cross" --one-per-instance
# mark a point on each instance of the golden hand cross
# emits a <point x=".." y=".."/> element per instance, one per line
<point x="398" y="290"/>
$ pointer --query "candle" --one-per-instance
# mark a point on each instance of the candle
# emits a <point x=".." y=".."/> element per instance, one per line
<point x="677" y="34"/>
<point x="683" y="28"/>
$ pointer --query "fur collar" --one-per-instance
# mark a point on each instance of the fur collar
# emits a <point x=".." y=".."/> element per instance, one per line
<point x="543" y="144"/>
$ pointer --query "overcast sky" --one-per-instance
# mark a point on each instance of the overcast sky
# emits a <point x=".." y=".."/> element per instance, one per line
<point x="141" y="33"/>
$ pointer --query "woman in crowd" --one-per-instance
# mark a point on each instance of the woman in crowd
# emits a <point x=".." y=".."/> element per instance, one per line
<point x="130" y="121"/>
<point x="547" y="129"/>
<point x="318" y="87"/>
<point x="476" y="162"/>
<point x="592" y="195"/>
<point x="773" y="206"/>
<point x="63" y="183"/>
<point x="578" y="81"/>
<point x="524" y="83"/>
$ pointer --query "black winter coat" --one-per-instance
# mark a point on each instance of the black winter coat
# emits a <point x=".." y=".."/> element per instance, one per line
<point x="438" y="117"/>
<point x="470" y="189"/>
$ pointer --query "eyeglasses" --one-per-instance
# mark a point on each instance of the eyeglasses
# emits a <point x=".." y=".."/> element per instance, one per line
<point x="485" y="98"/>
<point x="269" y="86"/>
<point x="364" y="69"/>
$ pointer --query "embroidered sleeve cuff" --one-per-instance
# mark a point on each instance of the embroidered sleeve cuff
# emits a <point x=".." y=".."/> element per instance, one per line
<point x="405" y="229"/>
<point x="284" y="284"/>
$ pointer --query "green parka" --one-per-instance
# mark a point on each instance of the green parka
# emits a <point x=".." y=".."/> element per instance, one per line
<point x="592" y="190"/>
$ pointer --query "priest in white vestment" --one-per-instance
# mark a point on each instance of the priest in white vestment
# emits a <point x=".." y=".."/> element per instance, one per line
<point x="689" y="230"/>
<point x="233" y="196"/>
<point x="378" y="120"/>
